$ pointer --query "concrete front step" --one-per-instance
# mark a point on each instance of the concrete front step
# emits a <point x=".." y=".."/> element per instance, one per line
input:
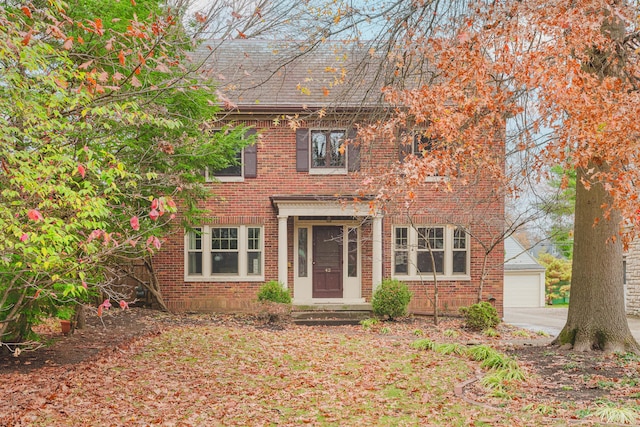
<point x="332" y="307"/>
<point x="331" y="315"/>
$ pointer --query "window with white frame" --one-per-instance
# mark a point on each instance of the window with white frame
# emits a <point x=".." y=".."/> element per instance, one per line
<point x="232" y="173"/>
<point x="327" y="149"/>
<point x="225" y="252"/>
<point x="418" y="251"/>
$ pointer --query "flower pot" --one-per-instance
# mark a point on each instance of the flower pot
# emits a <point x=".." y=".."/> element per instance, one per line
<point x="65" y="325"/>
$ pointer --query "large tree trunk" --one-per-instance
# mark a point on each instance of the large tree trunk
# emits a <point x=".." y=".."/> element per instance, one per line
<point x="597" y="318"/>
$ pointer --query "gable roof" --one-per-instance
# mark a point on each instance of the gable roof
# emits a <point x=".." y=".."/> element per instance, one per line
<point x="263" y="74"/>
<point x="518" y="258"/>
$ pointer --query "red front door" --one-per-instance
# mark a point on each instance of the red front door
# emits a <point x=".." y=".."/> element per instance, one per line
<point x="327" y="261"/>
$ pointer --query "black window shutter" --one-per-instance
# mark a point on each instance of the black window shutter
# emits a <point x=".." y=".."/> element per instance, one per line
<point x="353" y="151"/>
<point x="251" y="157"/>
<point x="302" y="150"/>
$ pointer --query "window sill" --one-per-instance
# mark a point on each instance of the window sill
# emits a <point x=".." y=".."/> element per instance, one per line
<point x="226" y="179"/>
<point x="224" y="278"/>
<point x="429" y="278"/>
<point x="436" y="179"/>
<point x="328" y="171"/>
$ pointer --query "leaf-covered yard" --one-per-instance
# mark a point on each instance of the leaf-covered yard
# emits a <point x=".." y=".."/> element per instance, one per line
<point x="218" y="370"/>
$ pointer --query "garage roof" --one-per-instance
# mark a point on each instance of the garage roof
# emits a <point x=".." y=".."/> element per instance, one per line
<point x="516" y="257"/>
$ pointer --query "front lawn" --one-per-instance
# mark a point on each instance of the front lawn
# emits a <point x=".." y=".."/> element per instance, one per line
<point x="230" y="371"/>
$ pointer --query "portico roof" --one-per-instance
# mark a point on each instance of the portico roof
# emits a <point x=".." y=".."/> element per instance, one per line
<point x="324" y="205"/>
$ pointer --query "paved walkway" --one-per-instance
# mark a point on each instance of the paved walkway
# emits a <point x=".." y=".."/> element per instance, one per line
<point x="551" y="319"/>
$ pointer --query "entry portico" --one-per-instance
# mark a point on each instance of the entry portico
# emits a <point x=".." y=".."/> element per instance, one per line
<point x="328" y="235"/>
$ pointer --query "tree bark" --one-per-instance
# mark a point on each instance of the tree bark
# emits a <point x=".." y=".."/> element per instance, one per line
<point x="597" y="318"/>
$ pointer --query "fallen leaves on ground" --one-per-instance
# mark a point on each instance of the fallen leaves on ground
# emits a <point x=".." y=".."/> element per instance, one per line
<point x="223" y="370"/>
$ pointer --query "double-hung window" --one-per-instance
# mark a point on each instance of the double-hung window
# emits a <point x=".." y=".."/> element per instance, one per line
<point x="230" y="253"/>
<point x="327" y="151"/>
<point x="419" y="251"/>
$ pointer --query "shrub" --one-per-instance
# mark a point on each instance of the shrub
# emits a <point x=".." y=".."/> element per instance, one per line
<point x="274" y="291"/>
<point x="480" y="316"/>
<point x="391" y="299"/>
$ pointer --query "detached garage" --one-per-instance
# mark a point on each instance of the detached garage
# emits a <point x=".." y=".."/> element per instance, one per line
<point x="523" y="277"/>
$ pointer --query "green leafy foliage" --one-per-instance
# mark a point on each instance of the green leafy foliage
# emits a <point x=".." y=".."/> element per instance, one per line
<point x="557" y="276"/>
<point x="610" y="413"/>
<point x="481" y="352"/>
<point x="369" y="323"/>
<point x="101" y="140"/>
<point x="273" y="291"/>
<point x="480" y="316"/>
<point x="450" y="348"/>
<point x="562" y="209"/>
<point x="423" y="344"/>
<point x="391" y="299"/>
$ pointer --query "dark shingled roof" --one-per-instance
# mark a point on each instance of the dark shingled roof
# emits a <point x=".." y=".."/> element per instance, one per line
<point x="257" y="74"/>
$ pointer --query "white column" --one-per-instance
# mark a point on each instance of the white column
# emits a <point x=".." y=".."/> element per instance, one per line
<point x="282" y="250"/>
<point x="376" y="269"/>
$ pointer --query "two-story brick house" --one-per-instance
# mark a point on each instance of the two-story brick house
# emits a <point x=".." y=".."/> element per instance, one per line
<point x="293" y="210"/>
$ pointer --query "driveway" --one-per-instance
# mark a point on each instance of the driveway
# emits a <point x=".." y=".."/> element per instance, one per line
<point x="551" y="319"/>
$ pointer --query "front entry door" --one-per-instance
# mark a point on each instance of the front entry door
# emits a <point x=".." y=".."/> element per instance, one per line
<point x="327" y="262"/>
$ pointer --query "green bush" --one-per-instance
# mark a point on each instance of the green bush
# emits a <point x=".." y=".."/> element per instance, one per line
<point x="480" y="316"/>
<point x="391" y="299"/>
<point x="274" y="291"/>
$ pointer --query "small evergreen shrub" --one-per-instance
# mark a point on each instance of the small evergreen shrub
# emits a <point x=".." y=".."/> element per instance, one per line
<point x="391" y="299"/>
<point x="480" y="316"/>
<point x="274" y="291"/>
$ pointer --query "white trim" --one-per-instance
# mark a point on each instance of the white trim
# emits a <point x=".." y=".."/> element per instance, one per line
<point x="323" y="208"/>
<point x="283" y="271"/>
<point x="376" y="252"/>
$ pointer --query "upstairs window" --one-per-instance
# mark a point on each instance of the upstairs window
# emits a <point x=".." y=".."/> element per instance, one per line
<point x="233" y="170"/>
<point x="422" y="145"/>
<point x="326" y="151"/>
<point x="416" y="143"/>
<point x="244" y="165"/>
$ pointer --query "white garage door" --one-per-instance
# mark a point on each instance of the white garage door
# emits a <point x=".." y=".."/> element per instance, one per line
<point x="522" y="289"/>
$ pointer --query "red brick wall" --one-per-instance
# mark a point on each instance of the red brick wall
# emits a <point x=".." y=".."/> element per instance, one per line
<point x="248" y="203"/>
